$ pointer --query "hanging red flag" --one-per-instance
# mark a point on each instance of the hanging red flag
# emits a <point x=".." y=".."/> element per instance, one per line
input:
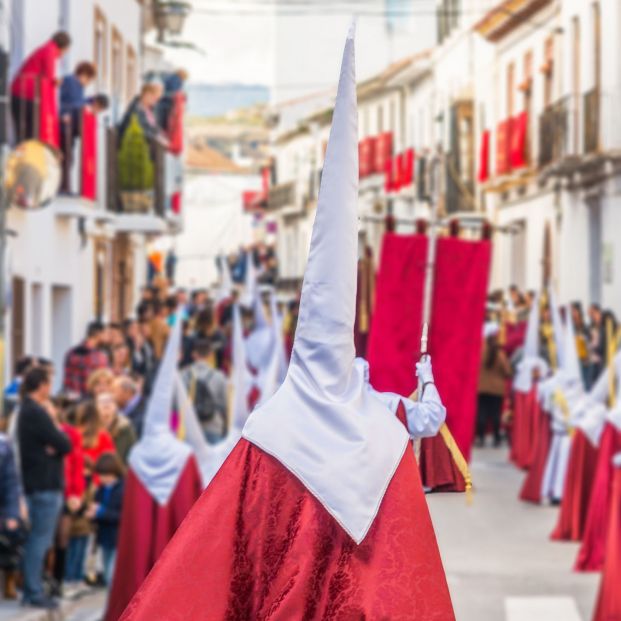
<point x="517" y="144"/>
<point x="175" y="203"/>
<point x="502" y="147"/>
<point x="175" y="124"/>
<point x="266" y="175"/>
<point x="383" y="152"/>
<point x="484" y="157"/>
<point x="88" y="166"/>
<point x="49" y="128"/>
<point x="407" y="170"/>
<point x="389" y="179"/>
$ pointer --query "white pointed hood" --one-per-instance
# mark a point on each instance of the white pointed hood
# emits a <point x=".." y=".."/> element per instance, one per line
<point x="159" y="458"/>
<point x="252" y="295"/>
<point x="323" y="424"/>
<point x="240" y="377"/>
<point x="571" y="362"/>
<point x="559" y="332"/>
<point x="225" y="290"/>
<point x="531" y="360"/>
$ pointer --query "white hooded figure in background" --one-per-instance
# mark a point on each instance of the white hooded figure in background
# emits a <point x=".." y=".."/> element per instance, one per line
<point x="565" y="392"/>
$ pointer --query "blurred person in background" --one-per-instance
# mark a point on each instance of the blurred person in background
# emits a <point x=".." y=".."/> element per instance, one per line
<point x="130" y="401"/>
<point x="85" y="358"/>
<point x="495" y="371"/>
<point x="99" y="382"/>
<point x="596" y="337"/>
<point x="207" y="389"/>
<point x="106" y="509"/>
<point x="12" y="518"/>
<point x="121" y="361"/>
<point x="116" y="424"/>
<point x="582" y="340"/>
<point x="42" y="447"/>
<point x="40" y="65"/>
<point x="143" y="108"/>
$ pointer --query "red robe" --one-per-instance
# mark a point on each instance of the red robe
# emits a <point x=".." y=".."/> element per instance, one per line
<point x="525" y="418"/>
<point x="591" y="554"/>
<point x="609" y="600"/>
<point x="438" y="470"/>
<point x="531" y="490"/>
<point x="577" y="490"/>
<point x="258" y="545"/>
<point x="146" y="529"/>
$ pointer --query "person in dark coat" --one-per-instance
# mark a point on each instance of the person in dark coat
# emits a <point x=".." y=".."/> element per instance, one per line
<point x="42" y="447"/>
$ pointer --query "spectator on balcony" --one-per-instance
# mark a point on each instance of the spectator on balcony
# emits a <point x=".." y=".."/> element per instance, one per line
<point x="173" y="84"/>
<point x="40" y="65"/>
<point x="143" y="108"/>
<point x="85" y="358"/>
<point x="72" y="103"/>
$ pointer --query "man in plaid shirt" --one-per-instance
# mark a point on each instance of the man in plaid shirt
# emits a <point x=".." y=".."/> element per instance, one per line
<point x="85" y="358"/>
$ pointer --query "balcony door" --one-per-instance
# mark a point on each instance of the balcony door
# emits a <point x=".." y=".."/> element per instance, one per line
<point x="594" y="205"/>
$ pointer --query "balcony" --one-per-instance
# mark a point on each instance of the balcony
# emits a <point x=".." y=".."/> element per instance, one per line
<point x="591" y="107"/>
<point x="553" y="133"/>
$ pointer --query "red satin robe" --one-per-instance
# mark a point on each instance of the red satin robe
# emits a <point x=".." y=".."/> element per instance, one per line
<point x="259" y="546"/>
<point x="609" y="600"/>
<point x="146" y="528"/>
<point x="577" y="491"/>
<point x="531" y="489"/>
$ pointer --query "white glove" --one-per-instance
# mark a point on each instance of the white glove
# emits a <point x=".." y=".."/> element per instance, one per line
<point x="423" y="370"/>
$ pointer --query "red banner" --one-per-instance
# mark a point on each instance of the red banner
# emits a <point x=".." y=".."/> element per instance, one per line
<point x="175" y="124"/>
<point x="49" y="128"/>
<point x="458" y="312"/>
<point x="88" y="166"/>
<point x="455" y="336"/>
<point x="175" y="203"/>
<point x="366" y="156"/>
<point x="389" y="176"/>
<point x="484" y="157"/>
<point x="383" y="152"/>
<point x="394" y="342"/>
<point x="517" y="145"/>
<point x="407" y="170"/>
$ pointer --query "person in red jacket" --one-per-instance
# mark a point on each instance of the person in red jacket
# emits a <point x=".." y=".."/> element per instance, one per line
<point x="75" y="486"/>
<point x="41" y="64"/>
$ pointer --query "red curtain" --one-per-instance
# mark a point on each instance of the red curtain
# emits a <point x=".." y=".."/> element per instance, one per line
<point x="89" y="155"/>
<point x="49" y="128"/>
<point x="455" y="341"/>
<point x="484" y="157"/>
<point x="175" y="124"/>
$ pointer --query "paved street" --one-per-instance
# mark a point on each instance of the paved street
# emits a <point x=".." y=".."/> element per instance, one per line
<point x="500" y="562"/>
<point x="85" y="609"/>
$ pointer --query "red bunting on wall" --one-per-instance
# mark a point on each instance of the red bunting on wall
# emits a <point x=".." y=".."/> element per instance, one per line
<point x="88" y="166"/>
<point x="175" y="124"/>
<point x="49" y="124"/>
<point x="484" y="157"/>
<point x="383" y="152"/>
<point x="518" y="147"/>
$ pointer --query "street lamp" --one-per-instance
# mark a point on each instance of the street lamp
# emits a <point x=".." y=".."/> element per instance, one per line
<point x="170" y="16"/>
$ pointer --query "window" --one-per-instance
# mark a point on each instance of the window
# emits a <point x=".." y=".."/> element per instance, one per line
<point x="100" y="55"/>
<point x="597" y="45"/>
<point x="116" y="64"/>
<point x="380" y="119"/>
<point x="575" y="80"/>
<point x="132" y="73"/>
<point x="548" y="72"/>
<point x="510" y="90"/>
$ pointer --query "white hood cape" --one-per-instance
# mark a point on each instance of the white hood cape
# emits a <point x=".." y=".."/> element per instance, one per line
<point x="323" y="424"/>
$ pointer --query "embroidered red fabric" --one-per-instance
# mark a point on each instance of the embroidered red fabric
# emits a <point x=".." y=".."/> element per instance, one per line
<point x="591" y="553"/>
<point x="146" y="529"/>
<point x="258" y="546"/>
<point x="577" y="490"/>
<point x="609" y="600"/>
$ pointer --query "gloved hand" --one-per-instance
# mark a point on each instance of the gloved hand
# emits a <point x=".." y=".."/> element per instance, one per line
<point x="423" y="370"/>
